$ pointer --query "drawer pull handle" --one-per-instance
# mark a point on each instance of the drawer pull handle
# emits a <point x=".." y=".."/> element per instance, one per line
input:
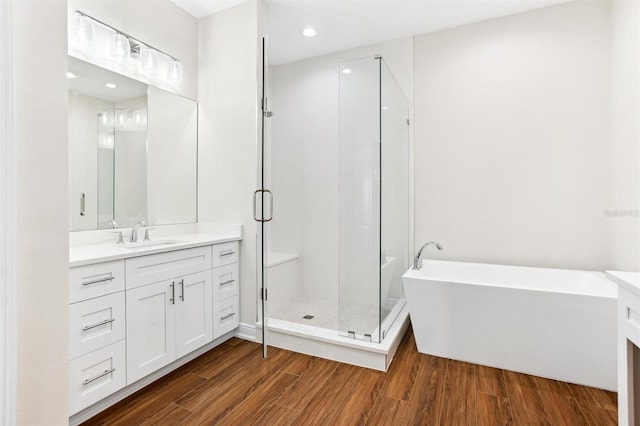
<point x="173" y="293"/>
<point x="227" y="316"/>
<point x="101" y="280"/>
<point x="182" y="286"/>
<point x="227" y="253"/>
<point x="228" y="282"/>
<point x="107" y="321"/>
<point x="99" y="376"/>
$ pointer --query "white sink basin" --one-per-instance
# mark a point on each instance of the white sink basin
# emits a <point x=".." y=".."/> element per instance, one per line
<point x="149" y="244"/>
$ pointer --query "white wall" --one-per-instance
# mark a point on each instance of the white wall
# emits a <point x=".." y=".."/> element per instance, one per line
<point x="161" y="23"/>
<point x="40" y="48"/>
<point x="625" y="136"/>
<point x="512" y="138"/>
<point x="305" y="154"/>
<point x="228" y="132"/>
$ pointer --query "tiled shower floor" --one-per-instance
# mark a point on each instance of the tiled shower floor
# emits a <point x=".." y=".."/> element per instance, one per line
<point x="362" y="319"/>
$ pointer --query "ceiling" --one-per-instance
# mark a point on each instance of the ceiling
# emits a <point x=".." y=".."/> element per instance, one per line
<point x="346" y="24"/>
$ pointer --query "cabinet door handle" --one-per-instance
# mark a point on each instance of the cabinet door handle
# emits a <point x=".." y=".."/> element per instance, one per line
<point x="107" y="321"/>
<point x="99" y="376"/>
<point x="227" y="282"/>
<point x="227" y="316"/>
<point x="101" y="280"/>
<point x="182" y="287"/>
<point x="227" y="253"/>
<point x="173" y="293"/>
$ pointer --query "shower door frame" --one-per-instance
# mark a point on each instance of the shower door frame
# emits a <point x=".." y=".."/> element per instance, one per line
<point x="259" y="197"/>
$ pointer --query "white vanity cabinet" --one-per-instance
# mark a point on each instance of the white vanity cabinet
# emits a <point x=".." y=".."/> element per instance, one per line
<point x="134" y="316"/>
<point x="172" y="317"/>
<point x="225" y="288"/>
<point x="96" y="333"/>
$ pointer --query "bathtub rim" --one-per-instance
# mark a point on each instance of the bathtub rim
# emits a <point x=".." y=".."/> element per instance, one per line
<point x="608" y="290"/>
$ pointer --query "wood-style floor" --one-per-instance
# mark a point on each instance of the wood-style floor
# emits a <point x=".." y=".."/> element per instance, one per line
<point x="233" y="385"/>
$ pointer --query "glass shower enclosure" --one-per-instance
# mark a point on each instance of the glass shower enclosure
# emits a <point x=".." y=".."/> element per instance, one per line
<point x="337" y="162"/>
<point x="373" y="198"/>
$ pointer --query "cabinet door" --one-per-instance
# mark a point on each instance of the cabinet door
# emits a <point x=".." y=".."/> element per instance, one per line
<point x="194" y="312"/>
<point x="151" y="328"/>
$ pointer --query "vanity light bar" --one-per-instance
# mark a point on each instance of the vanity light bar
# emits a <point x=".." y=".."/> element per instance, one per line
<point x="134" y="42"/>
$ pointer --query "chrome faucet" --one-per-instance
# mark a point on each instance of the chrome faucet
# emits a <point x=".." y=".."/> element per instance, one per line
<point x="417" y="262"/>
<point x="134" y="231"/>
<point x="112" y="223"/>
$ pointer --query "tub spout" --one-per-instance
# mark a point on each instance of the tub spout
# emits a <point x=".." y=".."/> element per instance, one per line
<point x="417" y="262"/>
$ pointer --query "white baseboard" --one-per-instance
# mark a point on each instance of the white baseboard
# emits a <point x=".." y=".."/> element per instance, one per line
<point x="247" y="332"/>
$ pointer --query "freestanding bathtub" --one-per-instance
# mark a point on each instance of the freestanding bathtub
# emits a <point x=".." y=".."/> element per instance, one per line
<point x="554" y="323"/>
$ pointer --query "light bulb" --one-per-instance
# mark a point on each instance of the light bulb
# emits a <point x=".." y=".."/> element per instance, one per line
<point x="119" y="48"/>
<point x="148" y="60"/>
<point x="82" y="29"/>
<point x="175" y="71"/>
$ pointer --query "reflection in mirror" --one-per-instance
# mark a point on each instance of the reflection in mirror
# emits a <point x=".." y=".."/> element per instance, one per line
<point x="133" y="151"/>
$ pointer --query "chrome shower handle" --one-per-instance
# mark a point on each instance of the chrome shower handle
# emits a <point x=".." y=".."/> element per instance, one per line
<point x="255" y="205"/>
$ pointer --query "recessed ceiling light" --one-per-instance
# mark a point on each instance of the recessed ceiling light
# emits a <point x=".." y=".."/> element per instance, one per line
<point x="309" y="32"/>
<point x="72" y="75"/>
<point x="346" y="71"/>
<point x="110" y="85"/>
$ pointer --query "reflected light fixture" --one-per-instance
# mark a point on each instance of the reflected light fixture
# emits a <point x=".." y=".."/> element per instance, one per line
<point x="110" y="85"/>
<point x="309" y="32"/>
<point x="346" y="71"/>
<point x="71" y="75"/>
<point x="174" y="74"/>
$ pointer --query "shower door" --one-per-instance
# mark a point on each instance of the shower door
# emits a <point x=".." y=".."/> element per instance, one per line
<point x="262" y="207"/>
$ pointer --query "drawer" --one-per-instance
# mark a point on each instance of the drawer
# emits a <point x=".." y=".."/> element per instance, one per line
<point x="96" y="323"/>
<point x="96" y="280"/>
<point x="225" y="282"/>
<point x="95" y="376"/>
<point x="225" y="254"/>
<point x="226" y="316"/>
<point x="165" y="266"/>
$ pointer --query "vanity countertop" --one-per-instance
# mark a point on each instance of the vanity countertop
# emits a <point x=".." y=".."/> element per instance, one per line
<point x="89" y="254"/>
<point x="628" y="280"/>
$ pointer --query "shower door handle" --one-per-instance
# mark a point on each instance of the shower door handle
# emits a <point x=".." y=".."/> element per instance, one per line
<point x="255" y="205"/>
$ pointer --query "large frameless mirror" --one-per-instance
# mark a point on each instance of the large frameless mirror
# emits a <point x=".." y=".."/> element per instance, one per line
<point x="132" y="151"/>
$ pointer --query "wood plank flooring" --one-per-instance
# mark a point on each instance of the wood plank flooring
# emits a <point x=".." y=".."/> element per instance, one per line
<point x="233" y="385"/>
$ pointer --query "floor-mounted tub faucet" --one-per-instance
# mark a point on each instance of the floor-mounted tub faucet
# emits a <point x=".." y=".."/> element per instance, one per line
<point x="417" y="262"/>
